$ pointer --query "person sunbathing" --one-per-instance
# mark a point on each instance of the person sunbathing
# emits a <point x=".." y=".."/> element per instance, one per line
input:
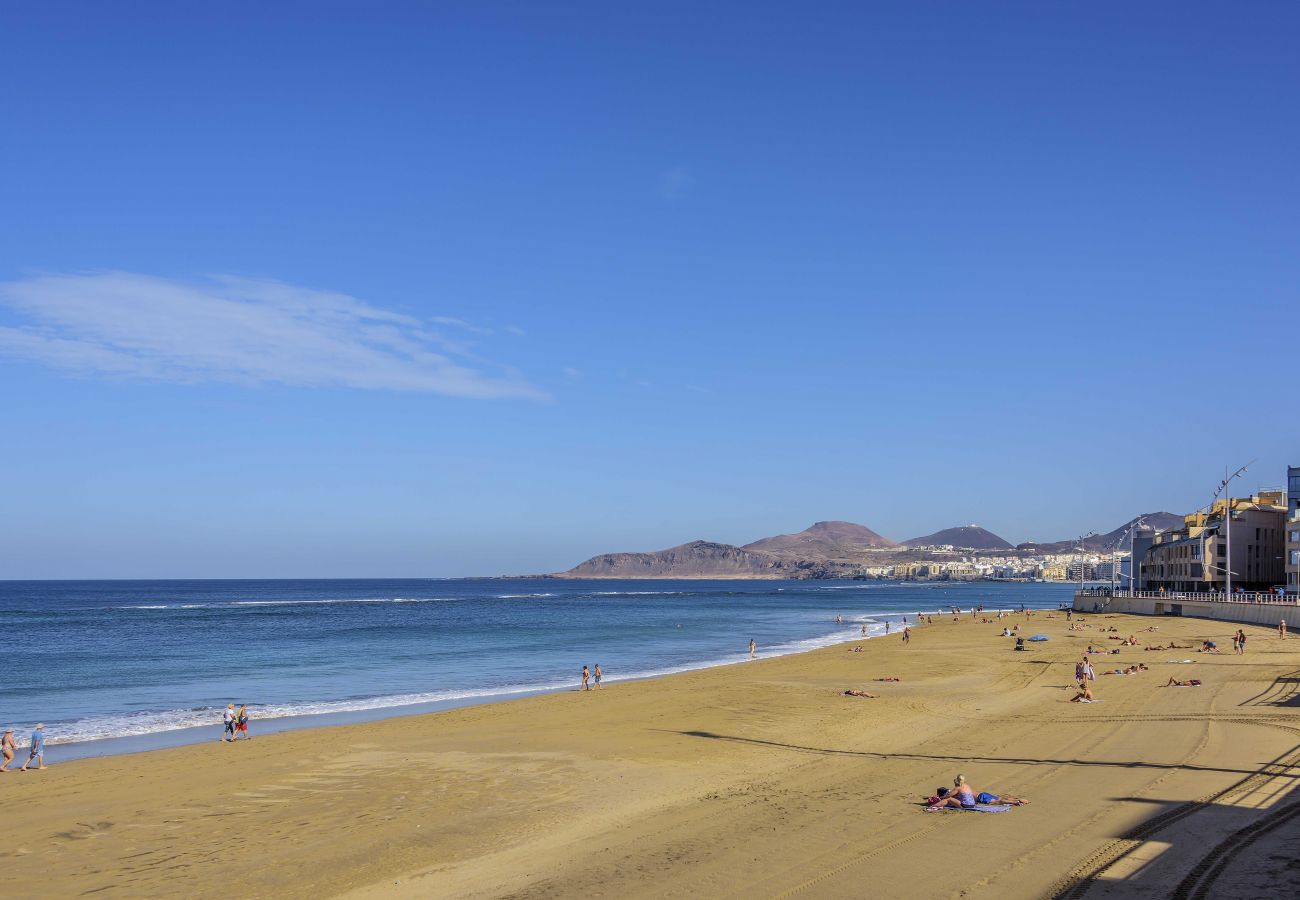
<point x="963" y="796"/>
<point x="1191" y="682"/>
<point x="889" y="679"/>
<point x="1209" y="647"/>
<point x="1131" y="670"/>
<point x="852" y="693"/>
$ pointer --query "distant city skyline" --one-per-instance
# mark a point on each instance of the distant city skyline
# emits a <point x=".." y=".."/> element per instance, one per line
<point x="487" y="289"/>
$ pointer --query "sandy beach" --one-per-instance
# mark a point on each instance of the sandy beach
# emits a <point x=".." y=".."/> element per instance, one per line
<point x="757" y="780"/>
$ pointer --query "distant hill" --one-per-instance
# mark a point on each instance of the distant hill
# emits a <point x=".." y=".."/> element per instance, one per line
<point x="825" y="550"/>
<point x="1159" y="521"/>
<point x="972" y="536"/>
<point x="822" y="540"/>
<point x="697" y="559"/>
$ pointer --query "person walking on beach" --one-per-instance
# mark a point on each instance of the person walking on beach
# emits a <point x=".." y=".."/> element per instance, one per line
<point x="241" y="721"/>
<point x="37" y="749"/>
<point x="598" y="675"/>
<point x="229" y="721"/>
<point x="907" y="635"/>
<point x="1088" y="671"/>
<point x="753" y="646"/>
<point x="586" y="678"/>
<point x="8" y="748"/>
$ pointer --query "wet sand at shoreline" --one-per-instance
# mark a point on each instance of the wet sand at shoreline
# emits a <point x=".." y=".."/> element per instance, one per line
<point x="759" y="780"/>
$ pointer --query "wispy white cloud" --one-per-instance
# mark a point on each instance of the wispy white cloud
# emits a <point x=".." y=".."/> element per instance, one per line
<point x="571" y="372"/>
<point x="240" y="330"/>
<point x="675" y="183"/>
<point x="453" y="322"/>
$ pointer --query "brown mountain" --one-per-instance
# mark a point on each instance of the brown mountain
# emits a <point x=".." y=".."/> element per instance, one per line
<point x="821" y="541"/>
<point x="1160" y="521"/>
<point x="963" y="536"/>
<point x="697" y="559"/>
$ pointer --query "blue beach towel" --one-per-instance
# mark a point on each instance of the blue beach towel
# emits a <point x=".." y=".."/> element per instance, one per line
<point x="998" y="808"/>
<point x="1039" y="637"/>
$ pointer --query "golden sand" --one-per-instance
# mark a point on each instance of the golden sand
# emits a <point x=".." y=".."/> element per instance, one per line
<point x="755" y="780"/>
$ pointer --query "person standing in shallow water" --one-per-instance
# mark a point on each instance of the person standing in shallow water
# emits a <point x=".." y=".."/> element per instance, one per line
<point x="586" y="678"/>
<point x="752" y="648"/>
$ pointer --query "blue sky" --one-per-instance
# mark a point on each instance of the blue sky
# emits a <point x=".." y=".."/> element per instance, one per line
<point x="345" y="290"/>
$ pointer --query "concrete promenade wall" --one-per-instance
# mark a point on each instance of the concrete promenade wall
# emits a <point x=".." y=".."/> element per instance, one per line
<point x="1268" y="614"/>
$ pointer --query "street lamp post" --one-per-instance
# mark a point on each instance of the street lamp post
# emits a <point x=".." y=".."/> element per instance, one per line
<point x="1132" y="560"/>
<point x="1082" y="538"/>
<point x="1130" y="534"/>
<point x="1227" y="526"/>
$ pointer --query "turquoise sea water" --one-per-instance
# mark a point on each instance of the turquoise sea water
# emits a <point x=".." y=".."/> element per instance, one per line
<point x="104" y="660"/>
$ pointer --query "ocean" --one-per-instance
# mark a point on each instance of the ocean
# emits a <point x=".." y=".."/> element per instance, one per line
<point x="103" y="662"/>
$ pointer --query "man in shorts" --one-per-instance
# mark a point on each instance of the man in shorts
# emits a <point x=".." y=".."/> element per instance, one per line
<point x="37" y="751"/>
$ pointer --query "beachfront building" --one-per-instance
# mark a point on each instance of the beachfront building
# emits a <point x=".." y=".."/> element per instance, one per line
<point x="1193" y="558"/>
<point x="1293" y="555"/>
<point x="1143" y="538"/>
<point x="1292" y="491"/>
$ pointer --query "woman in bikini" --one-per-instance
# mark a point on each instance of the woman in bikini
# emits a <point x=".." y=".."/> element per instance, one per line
<point x="7" y="746"/>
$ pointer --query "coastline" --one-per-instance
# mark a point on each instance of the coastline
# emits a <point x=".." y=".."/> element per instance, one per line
<point x="202" y="733"/>
<point x="757" y="778"/>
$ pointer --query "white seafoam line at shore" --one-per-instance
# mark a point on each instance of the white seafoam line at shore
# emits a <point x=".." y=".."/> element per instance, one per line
<point x="95" y="728"/>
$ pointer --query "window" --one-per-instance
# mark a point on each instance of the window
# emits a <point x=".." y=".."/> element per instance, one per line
<point x="1295" y="557"/>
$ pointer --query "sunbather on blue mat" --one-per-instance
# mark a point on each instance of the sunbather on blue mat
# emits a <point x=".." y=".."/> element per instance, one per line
<point x="963" y="796"/>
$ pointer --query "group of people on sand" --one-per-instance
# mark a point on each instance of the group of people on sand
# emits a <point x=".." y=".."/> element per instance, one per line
<point x="236" y="723"/>
<point x="962" y="796"/>
<point x="588" y="675"/>
<point x="35" y="750"/>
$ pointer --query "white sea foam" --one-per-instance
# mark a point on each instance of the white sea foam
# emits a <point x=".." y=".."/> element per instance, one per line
<point x="331" y="602"/>
<point x="650" y="593"/>
<point x="100" y="727"/>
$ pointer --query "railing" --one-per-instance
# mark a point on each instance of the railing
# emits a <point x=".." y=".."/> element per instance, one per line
<point x="1208" y="597"/>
